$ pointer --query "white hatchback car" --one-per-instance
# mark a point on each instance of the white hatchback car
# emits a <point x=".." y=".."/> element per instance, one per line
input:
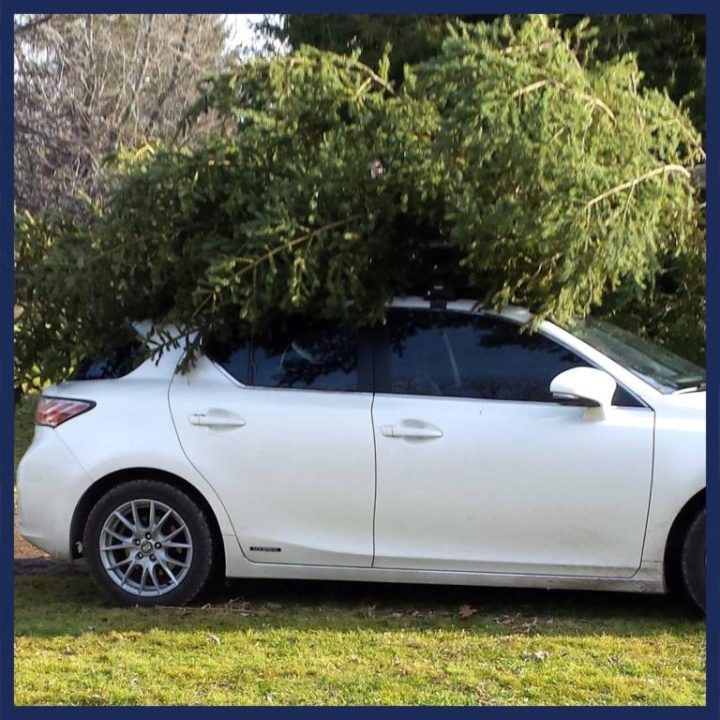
<point x="445" y="446"/>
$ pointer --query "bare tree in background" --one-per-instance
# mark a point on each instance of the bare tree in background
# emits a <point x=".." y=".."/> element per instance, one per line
<point x="86" y="84"/>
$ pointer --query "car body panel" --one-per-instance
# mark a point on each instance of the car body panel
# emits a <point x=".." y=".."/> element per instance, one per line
<point x="50" y="483"/>
<point x="524" y="487"/>
<point x="680" y="470"/>
<point x="129" y="428"/>
<point x="298" y="477"/>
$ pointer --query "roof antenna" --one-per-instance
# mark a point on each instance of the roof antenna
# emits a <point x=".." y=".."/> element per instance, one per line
<point x="439" y="294"/>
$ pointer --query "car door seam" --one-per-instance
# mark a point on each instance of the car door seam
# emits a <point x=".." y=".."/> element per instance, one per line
<point x="193" y="465"/>
<point x="372" y="423"/>
<point x="650" y="495"/>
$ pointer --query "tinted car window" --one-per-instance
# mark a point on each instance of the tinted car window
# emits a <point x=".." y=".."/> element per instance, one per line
<point x="319" y="358"/>
<point x="233" y="355"/>
<point x="116" y="364"/>
<point x="460" y="355"/>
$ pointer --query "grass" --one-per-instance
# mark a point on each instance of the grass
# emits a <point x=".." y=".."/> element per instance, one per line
<point x="286" y="643"/>
<point x="331" y="643"/>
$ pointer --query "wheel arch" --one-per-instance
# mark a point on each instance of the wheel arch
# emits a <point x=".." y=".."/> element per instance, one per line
<point x="676" y="536"/>
<point x="103" y="484"/>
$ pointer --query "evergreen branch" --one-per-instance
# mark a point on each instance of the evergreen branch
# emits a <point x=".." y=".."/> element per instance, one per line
<point x="630" y="184"/>
<point x="556" y="83"/>
<point x="373" y="75"/>
<point x="362" y="89"/>
<point x="346" y="60"/>
<point x="692" y="139"/>
<point x="202" y="305"/>
<point x="294" y="243"/>
<point x="530" y="88"/>
<point x="253" y="263"/>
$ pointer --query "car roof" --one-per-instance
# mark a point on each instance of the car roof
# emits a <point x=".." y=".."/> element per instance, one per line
<point x="145" y="328"/>
<point x="512" y="312"/>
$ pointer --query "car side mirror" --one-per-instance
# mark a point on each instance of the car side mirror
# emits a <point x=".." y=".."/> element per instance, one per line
<point x="590" y="387"/>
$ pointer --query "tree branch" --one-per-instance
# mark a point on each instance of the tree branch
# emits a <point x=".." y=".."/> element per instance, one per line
<point x="556" y="83"/>
<point x="173" y="75"/>
<point x="630" y="184"/>
<point x="32" y="24"/>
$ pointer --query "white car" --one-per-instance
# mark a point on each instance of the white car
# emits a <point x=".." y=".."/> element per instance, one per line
<point x="446" y="446"/>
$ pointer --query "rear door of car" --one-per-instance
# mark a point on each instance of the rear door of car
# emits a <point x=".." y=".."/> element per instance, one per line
<point x="283" y="432"/>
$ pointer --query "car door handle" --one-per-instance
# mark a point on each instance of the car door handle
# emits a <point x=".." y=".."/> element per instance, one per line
<point x="411" y="431"/>
<point x="215" y="420"/>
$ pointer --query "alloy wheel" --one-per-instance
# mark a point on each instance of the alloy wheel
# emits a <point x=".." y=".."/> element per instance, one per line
<point x="146" y="547"/>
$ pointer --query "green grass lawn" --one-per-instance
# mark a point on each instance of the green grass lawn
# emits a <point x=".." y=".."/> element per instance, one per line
<point x="332" y="643"/>
<point x="351" y="643"/>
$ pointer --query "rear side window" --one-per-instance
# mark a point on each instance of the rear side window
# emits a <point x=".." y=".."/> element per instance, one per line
<point x="308" y="358"/>
<point x="232" y="354"/>
<point x="460" y="355"/>
<point x="116" y="364"/>
<point x="300" y="357"/>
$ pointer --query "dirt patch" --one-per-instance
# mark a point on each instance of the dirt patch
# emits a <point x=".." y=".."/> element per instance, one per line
<point x="23" y="549"/>
<point x="30" y="560"/>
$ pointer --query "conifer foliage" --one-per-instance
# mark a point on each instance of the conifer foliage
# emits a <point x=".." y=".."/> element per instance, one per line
<point x="503" y="163"/>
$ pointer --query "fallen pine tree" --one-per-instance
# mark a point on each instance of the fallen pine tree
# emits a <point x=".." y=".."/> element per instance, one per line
<point x="506" y="165"/>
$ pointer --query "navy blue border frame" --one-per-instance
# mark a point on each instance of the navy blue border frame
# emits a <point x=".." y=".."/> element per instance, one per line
<point x="709" y="8"/>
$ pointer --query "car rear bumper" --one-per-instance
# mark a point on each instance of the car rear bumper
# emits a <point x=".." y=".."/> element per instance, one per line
<point x="50" y="483"/>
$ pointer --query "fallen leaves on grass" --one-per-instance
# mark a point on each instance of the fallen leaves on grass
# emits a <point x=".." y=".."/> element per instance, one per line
<point x="506" y="619"/>
<point x="466" y="611"/>
<point x="537" y="655"/>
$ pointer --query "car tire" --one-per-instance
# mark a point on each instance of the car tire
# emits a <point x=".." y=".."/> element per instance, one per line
<point x="148" y="543"/>
<point x="693" y="560"/>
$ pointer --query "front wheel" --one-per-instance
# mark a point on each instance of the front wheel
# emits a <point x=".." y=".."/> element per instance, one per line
<point x="148" y="543"/>
<point x="693" y="560"/>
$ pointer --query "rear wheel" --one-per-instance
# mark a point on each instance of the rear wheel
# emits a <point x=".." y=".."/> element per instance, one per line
<point x="148" y="543"/>
<point x="693" y="560"/>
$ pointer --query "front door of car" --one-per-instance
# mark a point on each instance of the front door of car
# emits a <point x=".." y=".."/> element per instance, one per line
<point x="478" y="469"/>
<point x="284" y="435"/>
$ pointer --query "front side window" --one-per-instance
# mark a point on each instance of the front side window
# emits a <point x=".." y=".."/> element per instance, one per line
<point x="453" y="354"/>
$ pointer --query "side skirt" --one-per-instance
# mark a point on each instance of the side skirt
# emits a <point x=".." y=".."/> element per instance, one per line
<point x="647" y="579"/>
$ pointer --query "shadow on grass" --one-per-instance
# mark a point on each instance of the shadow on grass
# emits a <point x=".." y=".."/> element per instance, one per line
<point x="55" y="598"/>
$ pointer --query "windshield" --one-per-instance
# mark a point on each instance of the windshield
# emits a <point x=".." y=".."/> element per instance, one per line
<point x="664" y="370"/>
